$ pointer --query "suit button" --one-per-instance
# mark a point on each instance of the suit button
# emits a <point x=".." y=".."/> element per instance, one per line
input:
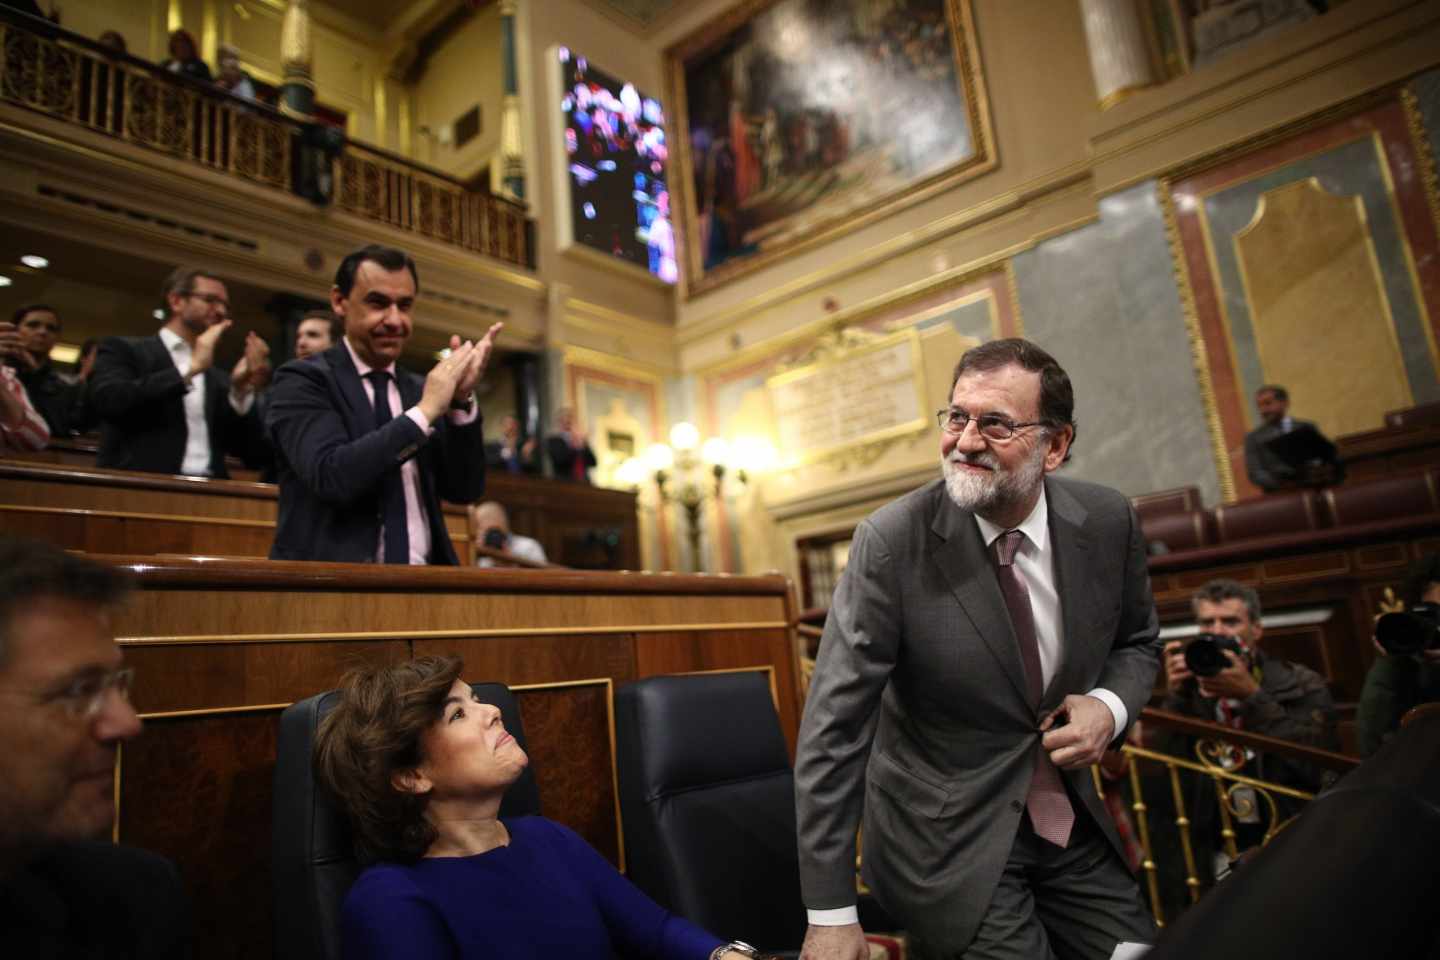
<point x="1016" y="805"/>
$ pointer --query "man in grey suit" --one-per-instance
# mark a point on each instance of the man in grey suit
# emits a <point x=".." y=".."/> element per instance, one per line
<point x="992" y="634"/>
<point x="1272" y="472"/>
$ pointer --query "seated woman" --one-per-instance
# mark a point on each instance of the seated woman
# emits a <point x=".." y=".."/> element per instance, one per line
<point x="420" y="766"/>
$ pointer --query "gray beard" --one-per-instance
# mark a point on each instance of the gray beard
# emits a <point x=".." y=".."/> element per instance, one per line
<point x="994" y="492"/>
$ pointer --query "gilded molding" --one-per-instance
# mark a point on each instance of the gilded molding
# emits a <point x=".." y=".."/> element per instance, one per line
<point x="602" y="362"/>
<point x="1424" y="152"/>
<point x="1197" y="342"/>
<point x="1014" y="286"/>
<point x="1116" y="97"/>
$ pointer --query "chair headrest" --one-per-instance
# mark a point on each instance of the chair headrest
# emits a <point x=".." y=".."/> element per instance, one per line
<point x="704" y="729"/>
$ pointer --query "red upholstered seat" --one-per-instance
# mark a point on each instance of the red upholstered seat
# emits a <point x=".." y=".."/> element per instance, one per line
<point x="1427" y="415"/>
<point x="1186" y="530"/>
<point x="1295" y="511"/>
<point x="1161" y="502"/>
<point x="1384" y="498"/>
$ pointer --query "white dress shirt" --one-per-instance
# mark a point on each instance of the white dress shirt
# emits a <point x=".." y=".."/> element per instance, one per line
<point x="196" y="462"/>
<point x="1035" y="560"/>
<point x="416" y="525"/>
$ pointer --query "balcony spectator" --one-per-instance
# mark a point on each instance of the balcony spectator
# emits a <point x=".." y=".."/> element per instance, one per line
<point x="490" y="527"/>
<point x="162" y="406"/>
<point x="51" y="392"/>
<point x="21" y="426"/>
<point x="113" y="41"/>
<point x="512" y="454"/>
<point x="569" y="450"/>
<point x="184" y="57"/>
<point x="232" y="78"/>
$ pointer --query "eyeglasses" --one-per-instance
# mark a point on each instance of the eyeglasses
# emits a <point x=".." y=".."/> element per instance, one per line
<point x="991" y="426"/>
<point x="211" y="299"/>
<point x="85" y="698"/>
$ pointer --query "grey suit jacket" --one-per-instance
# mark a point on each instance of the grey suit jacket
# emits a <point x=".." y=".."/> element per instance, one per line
<point x="917" y="711"/>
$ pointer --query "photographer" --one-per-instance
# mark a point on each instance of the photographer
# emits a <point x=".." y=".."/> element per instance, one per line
<point x="1255" y="693"/>
<point x="490" y="527"/>
<point x="1399" y="680"/>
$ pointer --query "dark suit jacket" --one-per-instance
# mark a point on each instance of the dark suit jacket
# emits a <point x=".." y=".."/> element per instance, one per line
<point x="139" y="397"/>
<point x="562" y="456"/>
<point x="98" y="901"/>
<point x="918" y="712"/>
<point x="55" y="400"/>
<point x="331" y="459"/>
<point x="1266" y="469"/>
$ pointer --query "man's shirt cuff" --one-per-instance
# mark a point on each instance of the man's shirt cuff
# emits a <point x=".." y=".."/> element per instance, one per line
<point x="1117" y="709"/>
<point x="463" y="418"/>
<point x="838" y="917"/>
<point x="414" y="414"/>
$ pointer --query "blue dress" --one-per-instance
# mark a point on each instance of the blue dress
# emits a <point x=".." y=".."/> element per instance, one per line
<point x="548" y="894"/>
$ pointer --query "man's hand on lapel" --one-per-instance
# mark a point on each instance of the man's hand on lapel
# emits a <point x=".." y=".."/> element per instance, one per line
<point x="1077" y="732"/>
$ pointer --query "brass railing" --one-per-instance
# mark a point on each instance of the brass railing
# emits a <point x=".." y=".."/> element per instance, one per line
<point x="380" y="186"/>
<point x="67" y="77"/>
<point x="1226" y="758"/>
<point x="73" y="79"/>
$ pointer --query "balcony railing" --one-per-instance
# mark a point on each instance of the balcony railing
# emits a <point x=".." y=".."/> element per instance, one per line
<point x="73" y="79"/>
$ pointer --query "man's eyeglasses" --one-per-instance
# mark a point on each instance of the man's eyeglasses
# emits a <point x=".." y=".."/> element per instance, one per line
<point x="211" y="299"/>
<point x="991" y="426"/>
<point x="85" y="698"/>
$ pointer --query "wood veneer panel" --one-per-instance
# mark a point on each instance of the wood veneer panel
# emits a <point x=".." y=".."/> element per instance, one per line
<point x="195" y="677"/>
<point x="198" y="790"/>
<point x="568" y="732"/>
<point x="542" y="659"/>
<point x="392" y="607"/>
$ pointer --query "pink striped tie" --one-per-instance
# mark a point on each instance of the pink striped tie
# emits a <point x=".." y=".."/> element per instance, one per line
<point x="1051" y="814"/>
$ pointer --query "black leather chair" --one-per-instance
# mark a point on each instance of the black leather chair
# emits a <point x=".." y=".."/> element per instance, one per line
<point x="313" y="864"/>
<point x="708" y="800"/>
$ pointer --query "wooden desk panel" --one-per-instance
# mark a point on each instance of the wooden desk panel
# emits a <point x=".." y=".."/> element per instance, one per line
<point x="108" y="511"/>
<point x="221" y="646"/>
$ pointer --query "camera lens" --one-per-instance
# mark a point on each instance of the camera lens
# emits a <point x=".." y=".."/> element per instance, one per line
<point x="1408" y="632"/>
<point x="1205" y="655"/>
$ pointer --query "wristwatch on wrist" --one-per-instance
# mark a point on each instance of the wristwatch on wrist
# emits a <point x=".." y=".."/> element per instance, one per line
<point x="736" y="946"/>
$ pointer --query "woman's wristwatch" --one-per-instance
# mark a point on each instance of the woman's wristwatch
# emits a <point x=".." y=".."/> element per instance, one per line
<point x="736" y="946"/>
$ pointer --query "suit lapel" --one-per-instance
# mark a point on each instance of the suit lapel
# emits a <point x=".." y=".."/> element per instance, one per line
<point x="960" y="554"/>
<point x="1070" y="547"/>
<point x="360" y="412"/>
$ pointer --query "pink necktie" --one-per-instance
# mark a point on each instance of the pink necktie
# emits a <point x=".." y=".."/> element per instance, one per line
<point x="1050" y="812"/>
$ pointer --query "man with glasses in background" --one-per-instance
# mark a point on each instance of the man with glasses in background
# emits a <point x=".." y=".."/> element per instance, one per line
<point x="65" y="890"/>
<point x="992" y="634"/>
<point x="163" y="406"/>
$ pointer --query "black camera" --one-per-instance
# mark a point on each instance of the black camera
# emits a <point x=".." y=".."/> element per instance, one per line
<point x="1411" y="631"/>
<point x="496" y="539"/>
<point x="1205" y="655"/>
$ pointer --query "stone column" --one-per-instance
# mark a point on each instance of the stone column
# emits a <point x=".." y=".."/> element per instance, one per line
<point x="1119" y="51"/>
<point x="512" y="152"/>
<point x="297" y="88"/>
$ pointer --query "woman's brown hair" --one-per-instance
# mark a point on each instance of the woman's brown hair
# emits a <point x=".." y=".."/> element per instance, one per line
<point x="373" y="732"/>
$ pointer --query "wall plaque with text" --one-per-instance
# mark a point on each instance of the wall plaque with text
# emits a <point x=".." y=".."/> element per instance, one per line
<point x="860" y="395"/>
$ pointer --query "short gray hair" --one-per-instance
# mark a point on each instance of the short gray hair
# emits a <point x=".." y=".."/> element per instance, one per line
<point x="1218" y="591"/>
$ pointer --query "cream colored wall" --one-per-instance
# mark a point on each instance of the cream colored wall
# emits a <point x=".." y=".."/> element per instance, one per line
<point x="465" y="71"/>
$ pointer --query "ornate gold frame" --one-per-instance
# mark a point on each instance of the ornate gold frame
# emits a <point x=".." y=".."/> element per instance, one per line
<point x="694" y="280"/>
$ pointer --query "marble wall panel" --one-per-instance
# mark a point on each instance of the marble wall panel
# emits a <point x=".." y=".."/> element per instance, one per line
<point x="1102" y="299"/>
<point x="1355" y="169"/>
